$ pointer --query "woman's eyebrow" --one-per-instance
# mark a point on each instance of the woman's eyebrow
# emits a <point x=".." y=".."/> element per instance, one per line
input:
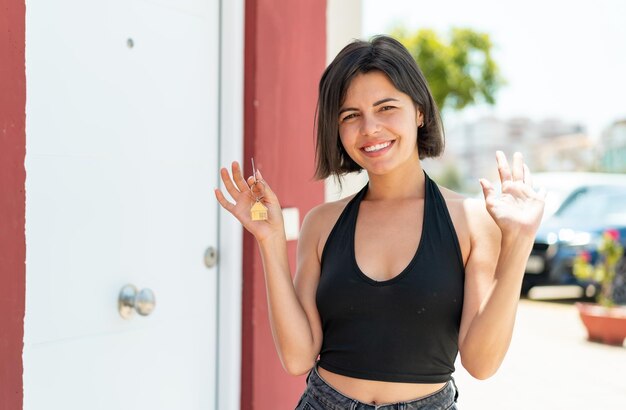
<point x="384" y="100"/>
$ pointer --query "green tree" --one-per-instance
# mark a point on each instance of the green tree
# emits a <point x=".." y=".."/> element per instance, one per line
<point x="460" y="71"/>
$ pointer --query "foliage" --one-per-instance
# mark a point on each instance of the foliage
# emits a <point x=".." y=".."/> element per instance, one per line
<point x="460" y="72"/>
<point x="603" y="271"/>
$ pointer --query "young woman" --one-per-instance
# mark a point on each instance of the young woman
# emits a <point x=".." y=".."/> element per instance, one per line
<point x="394" y="281"/>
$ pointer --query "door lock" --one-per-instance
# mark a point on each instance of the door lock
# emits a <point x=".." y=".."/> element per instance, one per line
<point x="210" y="257"/>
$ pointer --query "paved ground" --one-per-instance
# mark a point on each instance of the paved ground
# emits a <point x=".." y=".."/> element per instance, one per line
<point x="550" y="365"/>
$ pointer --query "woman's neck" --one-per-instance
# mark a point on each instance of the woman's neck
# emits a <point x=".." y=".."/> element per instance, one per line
<point x="407" y="182"/>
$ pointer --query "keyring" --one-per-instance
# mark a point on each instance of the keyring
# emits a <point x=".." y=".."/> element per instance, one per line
<point x="258" y="212"/>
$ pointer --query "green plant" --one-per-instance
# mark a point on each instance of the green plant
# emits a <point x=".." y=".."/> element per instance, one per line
<point x="459" y="67"/>
<point x="603" y="270"/>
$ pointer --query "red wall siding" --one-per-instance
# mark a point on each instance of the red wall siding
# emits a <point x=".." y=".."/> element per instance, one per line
<point x="285" y="53"/>
<point x="12" y="201"/>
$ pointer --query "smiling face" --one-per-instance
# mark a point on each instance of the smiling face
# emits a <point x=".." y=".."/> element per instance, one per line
<point x="378" y="124"/>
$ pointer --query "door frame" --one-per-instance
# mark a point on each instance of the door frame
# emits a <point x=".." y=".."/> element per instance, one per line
<point x="230" y="233"/>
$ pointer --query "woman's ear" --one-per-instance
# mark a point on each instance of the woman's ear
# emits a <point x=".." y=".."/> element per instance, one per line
<point x="420" y="118"/>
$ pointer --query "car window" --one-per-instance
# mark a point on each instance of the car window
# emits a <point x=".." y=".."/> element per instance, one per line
<point x="600" y="204"/>
<point x="616" y="209"/>
<point x="581" y="203"/>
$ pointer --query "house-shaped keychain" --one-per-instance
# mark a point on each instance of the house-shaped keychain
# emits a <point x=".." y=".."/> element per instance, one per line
<point x="258" y="212"/>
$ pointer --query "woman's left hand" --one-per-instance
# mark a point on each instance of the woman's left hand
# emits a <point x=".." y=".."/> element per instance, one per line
<point x="519" y="208"/>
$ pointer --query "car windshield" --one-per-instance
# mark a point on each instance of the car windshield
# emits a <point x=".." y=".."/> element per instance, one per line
<point x="599" y="204"/>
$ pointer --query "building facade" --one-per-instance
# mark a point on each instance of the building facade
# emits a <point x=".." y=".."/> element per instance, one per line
<point x="115" y="118"/>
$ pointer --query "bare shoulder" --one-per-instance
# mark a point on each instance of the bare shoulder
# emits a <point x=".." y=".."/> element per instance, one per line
<point x="471" y="220"/>
<point x="450" y="195"/>
<point x="320" y="220"/>
<point x="471" y="208"/>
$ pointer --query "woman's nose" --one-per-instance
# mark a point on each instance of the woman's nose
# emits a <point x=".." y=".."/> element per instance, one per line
<point x="369" y="124"/>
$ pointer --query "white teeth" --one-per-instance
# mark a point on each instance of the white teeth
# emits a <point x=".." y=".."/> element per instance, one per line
<point x="377" y="147"/>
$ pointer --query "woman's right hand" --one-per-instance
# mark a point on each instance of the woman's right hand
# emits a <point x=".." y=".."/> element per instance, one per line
<point x="244" y="193"/>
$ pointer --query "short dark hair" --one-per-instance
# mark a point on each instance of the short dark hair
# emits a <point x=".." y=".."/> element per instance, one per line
<point x="381" y="53"/>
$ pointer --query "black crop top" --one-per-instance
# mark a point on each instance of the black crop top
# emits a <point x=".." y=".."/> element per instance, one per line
<point x="401" y="330"/>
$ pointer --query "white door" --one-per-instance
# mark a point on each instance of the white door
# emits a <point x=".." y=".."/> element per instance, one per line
<point x="122" y="123"/>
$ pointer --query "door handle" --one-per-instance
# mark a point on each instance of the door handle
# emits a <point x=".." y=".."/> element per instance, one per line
<point x="130" y="299"/>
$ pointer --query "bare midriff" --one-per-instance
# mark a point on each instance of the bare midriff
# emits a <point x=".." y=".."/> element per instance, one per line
<point x="377" y="392"/>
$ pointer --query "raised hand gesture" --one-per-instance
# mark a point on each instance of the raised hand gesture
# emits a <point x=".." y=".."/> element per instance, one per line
<point x="519" y="208"/>
<point x="245" y="194"/>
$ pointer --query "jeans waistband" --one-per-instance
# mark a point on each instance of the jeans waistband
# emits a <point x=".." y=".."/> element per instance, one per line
<point x="317" y="387"/>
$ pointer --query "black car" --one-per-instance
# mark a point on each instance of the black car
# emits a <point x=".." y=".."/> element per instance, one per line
<point x="577" y="226"/>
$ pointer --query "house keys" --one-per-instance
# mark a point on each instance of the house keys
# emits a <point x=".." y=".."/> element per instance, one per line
<point x="258" y="212"/>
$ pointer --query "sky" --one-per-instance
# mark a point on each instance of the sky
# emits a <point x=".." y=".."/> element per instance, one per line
<point x="563" y="59"/>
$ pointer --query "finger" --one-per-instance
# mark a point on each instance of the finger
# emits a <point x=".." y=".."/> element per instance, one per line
<point x="488" y="190"/>
<point x="503" y="167"/>
<point x="258" y="189"/>
<point x="528" y="178"/>
<point x="251" y="182"/>
<point x="223" y="201"/>
<point x="266" y="188"/>
<point x="228" y="183"/>
<point x="238" y="177"/>
<point x="518" y="167"/>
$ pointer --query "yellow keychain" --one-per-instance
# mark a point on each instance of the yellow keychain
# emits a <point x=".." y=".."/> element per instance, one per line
<point x="258" y="212"/>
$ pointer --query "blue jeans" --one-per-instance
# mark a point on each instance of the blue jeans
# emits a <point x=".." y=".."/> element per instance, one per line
<point x="319" y="395"/>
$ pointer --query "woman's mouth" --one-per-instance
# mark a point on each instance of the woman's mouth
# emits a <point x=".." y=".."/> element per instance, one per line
<point x="377" y="148"/>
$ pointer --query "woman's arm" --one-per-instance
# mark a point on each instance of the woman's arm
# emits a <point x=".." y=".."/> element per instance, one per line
<point x="501" y="237"/>
<point x="294" y="319"/>
<point x="293" y="315"/>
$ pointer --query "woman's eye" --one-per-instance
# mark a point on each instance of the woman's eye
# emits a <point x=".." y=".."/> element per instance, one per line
<point x="387" y="107"/>
<point x="347" y="117"/>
